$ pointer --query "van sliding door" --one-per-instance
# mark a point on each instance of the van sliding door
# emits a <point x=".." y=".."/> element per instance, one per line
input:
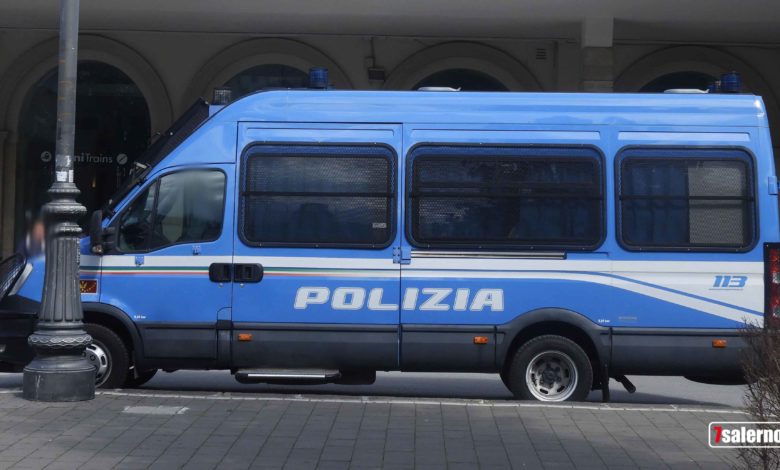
<point x="315" y="284"/>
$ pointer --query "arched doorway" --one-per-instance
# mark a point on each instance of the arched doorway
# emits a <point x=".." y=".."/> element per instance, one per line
<point x="690" y="67"/>
<point x="676" y="80"/>
<point x="263" y="63"/>
<point x="112" y="129"/>
<point x="464" y="79"/>
<point x="468" y="65"/>
<point x="267" y="76"/>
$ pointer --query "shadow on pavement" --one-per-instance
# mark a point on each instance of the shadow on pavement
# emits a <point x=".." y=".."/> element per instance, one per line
<point x="653" y="390"/>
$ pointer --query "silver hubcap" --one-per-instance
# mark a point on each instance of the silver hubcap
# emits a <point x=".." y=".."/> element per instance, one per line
<point x="98" y="356"/>
<point x="551" y="376"/>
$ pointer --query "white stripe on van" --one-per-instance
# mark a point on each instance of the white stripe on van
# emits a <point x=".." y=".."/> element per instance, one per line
<point x="645" y="278"/>
<point x="463" y="264"/>
<point x="650" y="291"/>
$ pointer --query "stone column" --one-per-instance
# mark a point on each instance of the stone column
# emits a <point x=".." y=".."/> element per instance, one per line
<point x="597" y="55"/>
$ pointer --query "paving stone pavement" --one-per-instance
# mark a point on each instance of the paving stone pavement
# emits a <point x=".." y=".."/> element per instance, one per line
<point x="139" y="430"/>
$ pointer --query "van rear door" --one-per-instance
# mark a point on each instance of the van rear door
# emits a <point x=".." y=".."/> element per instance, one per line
<point x="315" y="284"/>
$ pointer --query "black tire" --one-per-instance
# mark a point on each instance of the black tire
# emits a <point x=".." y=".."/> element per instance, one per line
<point x="115" y="354"/>
<point x="504" y="374"/>
<point x="565" y="362"/>
<point x="143" y="377"/>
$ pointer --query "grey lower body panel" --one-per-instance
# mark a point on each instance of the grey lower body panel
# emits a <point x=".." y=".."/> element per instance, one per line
<point x="178" y="345"/>
<point x="676" y="352"/>
<point x="433" y="348"/>
<point x="448" y="348"/>
<point x="344" y="347"/>
<point x="179" y="341"/>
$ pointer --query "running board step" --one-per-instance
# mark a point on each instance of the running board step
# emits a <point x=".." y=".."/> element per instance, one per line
<point x="287" y="376"/>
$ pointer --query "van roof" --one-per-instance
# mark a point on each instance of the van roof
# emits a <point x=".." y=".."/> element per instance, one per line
<point x="549" y="109"/>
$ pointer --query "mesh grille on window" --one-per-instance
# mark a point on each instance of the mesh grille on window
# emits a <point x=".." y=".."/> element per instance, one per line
<point x="510" y="196"/>
<point x="704" y="201"/>
<point x="332" y="195"/>
<point x="313" y="174"/>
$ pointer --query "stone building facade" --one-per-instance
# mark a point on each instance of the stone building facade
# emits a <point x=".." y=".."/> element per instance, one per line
<point x="143" y="63"/>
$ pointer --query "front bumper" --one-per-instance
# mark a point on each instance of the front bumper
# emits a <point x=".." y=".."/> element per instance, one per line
<point x="18" y="316"/>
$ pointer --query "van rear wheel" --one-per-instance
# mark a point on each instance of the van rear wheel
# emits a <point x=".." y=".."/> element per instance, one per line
<point x="109" y="355"/>
<point x="550" y="368"/>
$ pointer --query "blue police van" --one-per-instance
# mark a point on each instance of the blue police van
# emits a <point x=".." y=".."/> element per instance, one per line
<point x="559" y="240"/>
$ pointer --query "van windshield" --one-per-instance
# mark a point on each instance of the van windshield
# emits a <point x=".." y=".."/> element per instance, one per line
<point x="159" y="149"/>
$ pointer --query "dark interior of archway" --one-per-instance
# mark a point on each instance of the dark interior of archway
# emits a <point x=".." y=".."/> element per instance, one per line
<point x="112" y="129"/>
<point x="695" y="80"/>
<point x="465" y="79"/>
<point x="263" y="77"/>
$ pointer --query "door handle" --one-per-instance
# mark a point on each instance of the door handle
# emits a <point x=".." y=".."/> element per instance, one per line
<point x="220" y="272"/>
<point x="247" y="273"/>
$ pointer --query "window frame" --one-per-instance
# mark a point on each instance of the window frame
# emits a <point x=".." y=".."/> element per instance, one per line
<point x="751" y="173"/>
<point x="598" y="156"/>
<point x="389" y="155"/>
<point x="155" y="185"/>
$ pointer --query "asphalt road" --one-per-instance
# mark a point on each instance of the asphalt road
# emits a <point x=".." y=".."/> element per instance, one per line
<point x="650" y="390"/>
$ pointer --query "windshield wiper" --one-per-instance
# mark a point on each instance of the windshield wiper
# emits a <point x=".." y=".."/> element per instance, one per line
<point x="137" y="176"/>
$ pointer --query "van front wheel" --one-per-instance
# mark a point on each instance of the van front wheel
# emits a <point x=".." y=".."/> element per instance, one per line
<point x="550" y="368"/>
<point x="109" y="355"/>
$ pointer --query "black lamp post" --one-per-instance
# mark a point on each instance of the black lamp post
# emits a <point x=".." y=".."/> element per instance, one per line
<point x="59" y="371"/>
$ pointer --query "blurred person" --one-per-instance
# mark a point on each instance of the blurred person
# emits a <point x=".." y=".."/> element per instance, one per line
<point x="35" y="240"/>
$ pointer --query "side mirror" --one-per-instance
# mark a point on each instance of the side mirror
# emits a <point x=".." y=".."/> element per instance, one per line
<point x="100" y="240"/>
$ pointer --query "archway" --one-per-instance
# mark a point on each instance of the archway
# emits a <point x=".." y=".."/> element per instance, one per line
<point x="685" y="64"/>
<point x="463" y="79"/>
<point x="473" y="60"/>
<point x="112" y="129"/>
<point x="678" y="80"/>
<point x="267" y="76"/>
<point x="31" y="68"/>
<point x="285" y="57"/>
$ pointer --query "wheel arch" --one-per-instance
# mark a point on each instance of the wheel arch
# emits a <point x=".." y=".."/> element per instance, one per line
<point x="593" y="338"/>
<point x="117" y="321"/>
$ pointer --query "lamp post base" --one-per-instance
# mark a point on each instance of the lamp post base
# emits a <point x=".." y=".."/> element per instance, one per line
<point x="59" y="378"/>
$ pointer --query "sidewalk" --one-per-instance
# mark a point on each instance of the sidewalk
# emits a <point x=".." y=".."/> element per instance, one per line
<point x="165" y="431"/>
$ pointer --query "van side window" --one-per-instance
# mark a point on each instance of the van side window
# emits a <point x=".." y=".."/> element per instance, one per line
<point x="317" y="196"/>
<point x="183" y="207"/>
<point x="686" y="199"/>
<point x="510" y="197"/>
